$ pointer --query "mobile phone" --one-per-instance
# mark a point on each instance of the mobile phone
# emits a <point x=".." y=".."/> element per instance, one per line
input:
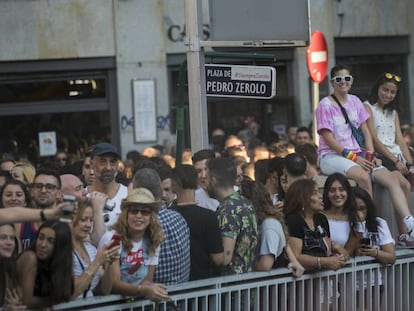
<point x="116" y="240"/>
<point x="366" y="241"/>
<point x="68" y="208"/>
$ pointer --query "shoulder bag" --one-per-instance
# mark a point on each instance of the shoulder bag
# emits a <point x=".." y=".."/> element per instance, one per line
<point x="356" y="132"/>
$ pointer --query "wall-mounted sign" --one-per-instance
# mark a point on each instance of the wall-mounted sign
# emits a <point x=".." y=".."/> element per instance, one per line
<point x="145" y="125"/>
<point x="240" y="81"/>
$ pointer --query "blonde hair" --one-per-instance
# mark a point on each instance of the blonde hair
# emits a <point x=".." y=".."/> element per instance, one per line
<point x="153" y="231"/>
<point x="29" y="172"/>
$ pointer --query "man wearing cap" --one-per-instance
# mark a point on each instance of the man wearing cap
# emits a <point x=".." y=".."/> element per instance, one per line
<point x="104" y="162"/>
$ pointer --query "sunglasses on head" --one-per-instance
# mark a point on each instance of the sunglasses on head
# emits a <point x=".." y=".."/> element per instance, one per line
<point x="391" y="76"/>
<point x="136" y="210"/>
<point x="339" y="79"/>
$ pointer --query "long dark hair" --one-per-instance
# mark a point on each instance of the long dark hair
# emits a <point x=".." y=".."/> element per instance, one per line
<point x="257" y="193"/>
<point x="371" y="219"/>
<point x="350" y="204"/>
<point x="8" y="272"/>
<point x="59" y="266"/>
<point x="382" y="79"/>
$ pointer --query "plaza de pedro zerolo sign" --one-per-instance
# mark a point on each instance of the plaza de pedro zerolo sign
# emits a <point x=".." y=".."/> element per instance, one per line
<point x="240" y="81"/>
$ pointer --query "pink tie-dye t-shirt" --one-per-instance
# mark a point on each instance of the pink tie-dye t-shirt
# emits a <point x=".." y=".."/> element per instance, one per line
<point x="330" y="117"/>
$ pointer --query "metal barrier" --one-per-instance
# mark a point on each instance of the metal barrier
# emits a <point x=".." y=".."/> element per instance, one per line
<point x="362" y="285"/>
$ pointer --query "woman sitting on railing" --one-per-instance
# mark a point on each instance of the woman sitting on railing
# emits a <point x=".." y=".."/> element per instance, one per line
<point x="309" y="228"/>
<point x="273" y="250"/>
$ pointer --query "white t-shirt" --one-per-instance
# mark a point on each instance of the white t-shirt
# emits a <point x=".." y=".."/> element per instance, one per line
<point x="114" y="214"/>
<point x="135" y="254"/>
<point x="203" y="200"/>
<point x="273" y="239"/>
<point x="339" y="230"/>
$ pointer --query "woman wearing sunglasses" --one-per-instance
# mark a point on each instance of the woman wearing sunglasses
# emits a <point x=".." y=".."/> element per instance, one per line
<point x="384" y="126"/>
<point x="141" y="237"/>
<point x="339" y="151"/>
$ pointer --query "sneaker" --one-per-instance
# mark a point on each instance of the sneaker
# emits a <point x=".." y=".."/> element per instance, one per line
<point x="405" y="240"/>
<point x="409" y="222"/>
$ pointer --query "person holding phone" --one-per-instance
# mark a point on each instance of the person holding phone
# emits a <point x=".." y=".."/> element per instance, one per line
<point x="384" y="252"/>
<point x="383" y="249"/>
<point x="142" y="236"/>
<point x="339" y="151"/>
<point x="92" y="269"/>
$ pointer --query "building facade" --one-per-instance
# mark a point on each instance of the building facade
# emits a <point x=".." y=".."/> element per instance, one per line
<point x="109" y="69"/>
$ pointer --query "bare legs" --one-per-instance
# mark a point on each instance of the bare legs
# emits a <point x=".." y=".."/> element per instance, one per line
<point x="361" y="177"/>
<point x="399" y="191"/>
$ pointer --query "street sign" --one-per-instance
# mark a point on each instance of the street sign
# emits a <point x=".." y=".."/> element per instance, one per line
<point x="317" y="57"/>
<point x="240" y="81"/>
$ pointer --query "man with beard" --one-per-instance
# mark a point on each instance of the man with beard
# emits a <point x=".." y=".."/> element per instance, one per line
<point x="236" y="216"/>
<point x="104" y="162"/>
<point x="46" y="194"/>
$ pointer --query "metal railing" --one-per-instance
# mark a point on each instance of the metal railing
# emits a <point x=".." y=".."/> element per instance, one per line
<point x="362" y="284"/>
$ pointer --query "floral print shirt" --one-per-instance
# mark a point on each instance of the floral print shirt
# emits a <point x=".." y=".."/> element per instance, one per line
<point x="237" y="220"/>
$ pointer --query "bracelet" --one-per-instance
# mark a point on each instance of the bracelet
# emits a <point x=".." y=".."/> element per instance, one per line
<point x="350" y="155"/>
<point x="319" y="263"/>
<point x="42" y="215"/>
<point x="91" y="274"/>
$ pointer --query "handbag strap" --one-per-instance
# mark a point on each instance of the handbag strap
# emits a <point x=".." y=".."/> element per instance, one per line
<point x="342" y="109"/>
<point x="83" y="269"/>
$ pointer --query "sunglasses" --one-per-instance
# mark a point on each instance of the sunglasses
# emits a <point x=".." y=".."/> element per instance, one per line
<point x="48" y="187"/>
<point x="339" y="79"/>
<point x="136" y="210"/>
<point x="391" y="76"/>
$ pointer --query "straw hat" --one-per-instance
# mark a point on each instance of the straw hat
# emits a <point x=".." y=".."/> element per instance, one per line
<point x="141" y="196"/>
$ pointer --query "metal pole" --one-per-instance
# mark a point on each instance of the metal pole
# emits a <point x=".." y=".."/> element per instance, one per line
<point x="314" y="106"/>
<point x="179" y="120"/>
<point x="196" y="77"/>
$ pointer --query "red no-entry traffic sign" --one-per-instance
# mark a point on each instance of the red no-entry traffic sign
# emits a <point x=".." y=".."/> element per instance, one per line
<point x="317" y="57"/>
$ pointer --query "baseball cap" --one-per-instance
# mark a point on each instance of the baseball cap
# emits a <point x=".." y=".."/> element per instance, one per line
<point x="104" y="148"/>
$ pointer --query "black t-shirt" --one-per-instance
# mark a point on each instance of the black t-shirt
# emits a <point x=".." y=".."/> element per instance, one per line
<point x="205" y="239"/>
<point x="315" y="243"/>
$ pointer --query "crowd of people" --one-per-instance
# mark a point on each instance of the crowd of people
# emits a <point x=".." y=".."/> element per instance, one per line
<point x="100" y="225"/>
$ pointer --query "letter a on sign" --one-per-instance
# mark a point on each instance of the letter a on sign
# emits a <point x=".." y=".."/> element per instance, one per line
<point x="317" y="57"/>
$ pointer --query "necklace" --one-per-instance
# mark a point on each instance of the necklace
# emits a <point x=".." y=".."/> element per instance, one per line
<point x="310" y="224"/>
